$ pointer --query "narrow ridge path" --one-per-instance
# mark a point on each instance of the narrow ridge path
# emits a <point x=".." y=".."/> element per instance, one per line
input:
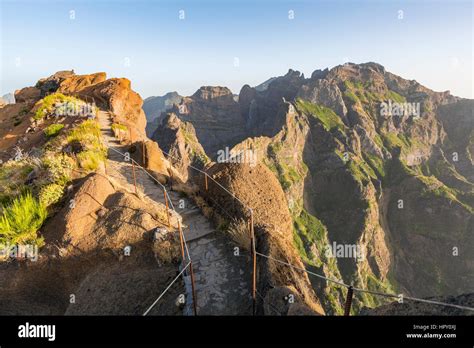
<point x="222" y="280"/>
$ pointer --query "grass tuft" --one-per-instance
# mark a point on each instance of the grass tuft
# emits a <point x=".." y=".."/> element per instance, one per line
<point x="21" y="220"/>
<point x="53" y="129"/>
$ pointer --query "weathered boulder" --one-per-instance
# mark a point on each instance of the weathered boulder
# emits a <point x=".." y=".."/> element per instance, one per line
<point x="150" y="156"/>
<point x="51" y="84"/>
<point x="28" y="94"/>
<point x="116" y="95"/>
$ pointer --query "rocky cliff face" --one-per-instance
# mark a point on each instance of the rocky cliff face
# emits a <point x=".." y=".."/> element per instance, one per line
<point x="178" y="139"/>
<point x="264" y="110"/>
<point x="117" y="95"/>
<point x="215" y="116"/>
<point x="370" y="160"/>
<point x="155" y="109"/>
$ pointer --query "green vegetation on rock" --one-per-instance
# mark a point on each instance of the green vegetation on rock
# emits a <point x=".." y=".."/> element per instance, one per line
<point x="310" y="236"/>
<point x="50" y="103"/>
<point x="395" y="97"/>
<point x="393" y="140"/>
<point x="360" y="170"/>
<point x="329" y="119"/>
<point x="287" y="175"/>
<point x="50" y="194"/>
<point x="359" y="92"/>
<point x="377" y="163"/>
<point x="310" y="230"/>
<point x="88" y="135"/>
<point x="30" y="185"/>
<point x="53" y="129"/>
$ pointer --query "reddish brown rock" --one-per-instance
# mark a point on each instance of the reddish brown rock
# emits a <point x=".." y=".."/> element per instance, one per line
<point x="27" y="94"/>
<point x="125" y="105"/>
<point x="75" y="83"/>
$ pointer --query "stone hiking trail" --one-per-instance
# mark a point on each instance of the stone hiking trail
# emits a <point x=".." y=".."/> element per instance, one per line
<point x="222" y="280"/>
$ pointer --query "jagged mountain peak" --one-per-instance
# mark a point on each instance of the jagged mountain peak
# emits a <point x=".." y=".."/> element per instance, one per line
<point x="212" y="92"/>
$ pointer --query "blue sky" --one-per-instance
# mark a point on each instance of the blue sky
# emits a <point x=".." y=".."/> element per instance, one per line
<point x="148" y="43"/>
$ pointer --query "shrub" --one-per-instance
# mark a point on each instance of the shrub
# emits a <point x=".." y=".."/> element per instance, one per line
<point x="21" y="220"/>
<point x="48" y="103"/>
<point x="13" y="175"/>
<point x="87" y="133"/>
<point x="59" y="103"/>
<point x="90" y="159"/>
<point x="58" y="168"/>
<point x="50" y="194"/>
<point x="53" y="129"/>
<point x="238" y="231"/>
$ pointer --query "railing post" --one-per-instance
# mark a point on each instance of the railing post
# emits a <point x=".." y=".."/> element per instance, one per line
<point x="347" y="306"/>
<point x="167" y="207"/>
<point x="205" y="180"/>
<point x="181" y="241"/>
<point x="133" y="166"/>
<point x="193" y="288"/>
<point x="254" y="265"/>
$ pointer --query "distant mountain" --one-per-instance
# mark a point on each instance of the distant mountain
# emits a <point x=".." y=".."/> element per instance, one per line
<point x="8" y="98"/>
<point x="264" y="85"/>
<point x="215" y="115"/>
<point x="154" y="106"/>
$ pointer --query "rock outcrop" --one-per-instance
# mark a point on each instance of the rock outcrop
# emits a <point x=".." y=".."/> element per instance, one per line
<point x="215" y="116"/>
<point x="75" y="83"/>
<point x="264" y="110"/>
<point x="117" y="96"/>
<point x="51" y="84"/>
<point x="28" y="94"/>
<point x="178" y="139"/>
<point x="89" y="217"/>
<point x="155" y="109"/>
<point x="258" y="189"/>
